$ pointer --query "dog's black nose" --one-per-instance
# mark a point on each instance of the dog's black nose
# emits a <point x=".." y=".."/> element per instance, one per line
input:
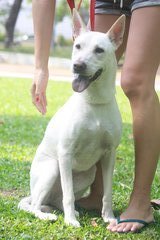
<point x="79" y="67"/>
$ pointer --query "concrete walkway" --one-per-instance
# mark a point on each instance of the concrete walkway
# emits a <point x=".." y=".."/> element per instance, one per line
<point x="22" y="66"/>
<point x="26" y="71"/>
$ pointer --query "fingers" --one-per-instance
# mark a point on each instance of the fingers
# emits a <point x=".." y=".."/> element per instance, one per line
<point x="40" y="103"/>
<point x="39" y="100"/>
<point x="38" y="90"/>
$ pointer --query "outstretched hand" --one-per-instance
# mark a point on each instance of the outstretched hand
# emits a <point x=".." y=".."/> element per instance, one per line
<point x="38" y="90"/>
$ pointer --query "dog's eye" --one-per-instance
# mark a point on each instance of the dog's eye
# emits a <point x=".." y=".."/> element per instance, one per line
<point x="78" y="46"/>
<point x="99" y="50"/>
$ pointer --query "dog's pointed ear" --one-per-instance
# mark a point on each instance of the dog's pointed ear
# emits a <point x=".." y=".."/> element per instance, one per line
<point x="78" y="24"/>
<point x="116" y="32"/>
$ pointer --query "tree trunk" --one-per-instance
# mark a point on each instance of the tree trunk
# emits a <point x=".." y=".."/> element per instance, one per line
<point x="11" y="22"/>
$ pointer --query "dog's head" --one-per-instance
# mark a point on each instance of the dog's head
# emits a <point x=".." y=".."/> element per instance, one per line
<point x="92" y="51"/>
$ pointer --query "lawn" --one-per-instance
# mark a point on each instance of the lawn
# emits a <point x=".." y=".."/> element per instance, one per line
<point x="21" y="130"/>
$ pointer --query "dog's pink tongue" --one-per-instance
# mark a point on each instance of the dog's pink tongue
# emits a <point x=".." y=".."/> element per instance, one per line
<point x="80" y="83"/>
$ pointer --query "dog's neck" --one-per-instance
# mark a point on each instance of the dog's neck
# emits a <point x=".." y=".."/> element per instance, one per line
<point x="102" y="90"/>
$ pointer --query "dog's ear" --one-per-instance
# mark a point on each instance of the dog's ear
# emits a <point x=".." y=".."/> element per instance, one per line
<point x="116" y="32"/>
<point x="78" y="24"/>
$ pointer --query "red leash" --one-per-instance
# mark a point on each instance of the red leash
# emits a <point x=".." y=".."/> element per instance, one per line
<point x="71" y="4"/>
<point x="92" y="14"/>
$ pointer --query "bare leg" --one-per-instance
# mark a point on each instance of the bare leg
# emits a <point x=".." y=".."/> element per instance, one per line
<point x="94" y="200"/>
<point x="138" y="78"/>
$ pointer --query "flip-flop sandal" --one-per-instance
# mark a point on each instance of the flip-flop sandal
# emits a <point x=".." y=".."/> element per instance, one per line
<point x="130" y="220"/>
<point x="155" y="204"/>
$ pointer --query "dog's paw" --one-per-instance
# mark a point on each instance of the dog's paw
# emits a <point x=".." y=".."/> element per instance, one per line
<point x="108" y="217"/>
<point x="72" y="222"/>
<point x="45" y="216"/>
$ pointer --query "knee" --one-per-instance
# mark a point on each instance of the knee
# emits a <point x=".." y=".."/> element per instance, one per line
<point x="136" y="83"/>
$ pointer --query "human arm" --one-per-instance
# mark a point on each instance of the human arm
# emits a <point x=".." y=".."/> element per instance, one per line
<point x="43" y="17"/>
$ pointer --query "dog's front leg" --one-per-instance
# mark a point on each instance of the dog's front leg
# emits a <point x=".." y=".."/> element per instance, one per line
<point x="107" y="172"/>
<point x="65" y="165"/>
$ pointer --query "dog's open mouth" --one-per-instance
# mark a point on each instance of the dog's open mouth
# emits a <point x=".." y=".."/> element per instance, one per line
<point x="81" y="82"/>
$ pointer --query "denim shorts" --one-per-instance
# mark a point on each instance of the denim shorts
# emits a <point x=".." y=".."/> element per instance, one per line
<point x="117" y="7"/>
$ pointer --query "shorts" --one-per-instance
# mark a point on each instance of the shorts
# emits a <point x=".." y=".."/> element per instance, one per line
<point x="118" y="7"/>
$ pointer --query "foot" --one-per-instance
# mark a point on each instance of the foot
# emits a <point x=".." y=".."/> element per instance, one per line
<point x="133" y="212"/>
<point x="92" y="202"/>
<point x="72" y="222"/>
<point x="45" y="216"/>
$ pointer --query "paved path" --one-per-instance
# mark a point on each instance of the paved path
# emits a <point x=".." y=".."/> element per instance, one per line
<point x="21" y="65"/>
<point x="26" y="71"/>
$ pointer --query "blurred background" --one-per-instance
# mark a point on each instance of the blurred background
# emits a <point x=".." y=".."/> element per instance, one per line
<point x="16" y="27"/>
<point x="17" y="38"/>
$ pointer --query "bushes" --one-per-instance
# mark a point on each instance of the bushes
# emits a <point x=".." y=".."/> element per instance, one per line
<point x="61" y="41"/>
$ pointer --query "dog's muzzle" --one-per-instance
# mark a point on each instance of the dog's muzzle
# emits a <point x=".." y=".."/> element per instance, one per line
<point x="81" y="82"/>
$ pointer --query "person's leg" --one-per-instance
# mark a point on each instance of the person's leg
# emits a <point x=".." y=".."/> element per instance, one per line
<point x="103" y="24"/>
<point x="94" y="200"/>
<point x="138" y="78"/>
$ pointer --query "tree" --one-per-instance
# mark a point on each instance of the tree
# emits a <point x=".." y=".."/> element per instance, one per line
<point x="11" y="22"/>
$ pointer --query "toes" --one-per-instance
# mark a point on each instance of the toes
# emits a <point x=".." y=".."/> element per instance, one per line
<point x="112" y="224"/>
<point x="118" y="228"/>
<point x="127" y="227"/>
<point x="136" y="227"/>
<point x="124" y="227"/>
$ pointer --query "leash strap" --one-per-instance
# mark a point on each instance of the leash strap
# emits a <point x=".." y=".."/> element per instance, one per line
<point x="92" y="14"/>
<point x="71" y="4"/>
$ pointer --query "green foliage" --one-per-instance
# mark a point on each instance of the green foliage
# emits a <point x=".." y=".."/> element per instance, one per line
<point x="2" y="37"/>
<point x="63" y="9"/>
<point x="21" y="130"/>
<point x="4" y="10"/>
<point x="63" y="42"/>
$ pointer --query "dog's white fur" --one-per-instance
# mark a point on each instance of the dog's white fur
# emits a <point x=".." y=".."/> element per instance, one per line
<point x="85" y="130"/>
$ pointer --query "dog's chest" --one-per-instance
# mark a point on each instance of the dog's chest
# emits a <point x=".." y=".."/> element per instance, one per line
<point x="91" y="143"/>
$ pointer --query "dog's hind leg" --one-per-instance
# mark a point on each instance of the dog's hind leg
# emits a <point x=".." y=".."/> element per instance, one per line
<point x="82" y="181"/>
<point x="43" y="176"/>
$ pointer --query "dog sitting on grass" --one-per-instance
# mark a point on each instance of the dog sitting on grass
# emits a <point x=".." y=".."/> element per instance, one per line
<point x="84" y="131"/>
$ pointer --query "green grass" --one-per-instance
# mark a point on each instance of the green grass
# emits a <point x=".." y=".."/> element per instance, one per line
<point x="21" y="130"/>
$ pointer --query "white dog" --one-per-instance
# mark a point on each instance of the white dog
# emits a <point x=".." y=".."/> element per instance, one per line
<point x="84" y="131"/>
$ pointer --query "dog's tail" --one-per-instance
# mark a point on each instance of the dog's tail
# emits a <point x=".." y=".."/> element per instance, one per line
<point x="25" y="204"/>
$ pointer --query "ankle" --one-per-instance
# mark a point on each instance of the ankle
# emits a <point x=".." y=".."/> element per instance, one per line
<point x="140" y="200"/>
